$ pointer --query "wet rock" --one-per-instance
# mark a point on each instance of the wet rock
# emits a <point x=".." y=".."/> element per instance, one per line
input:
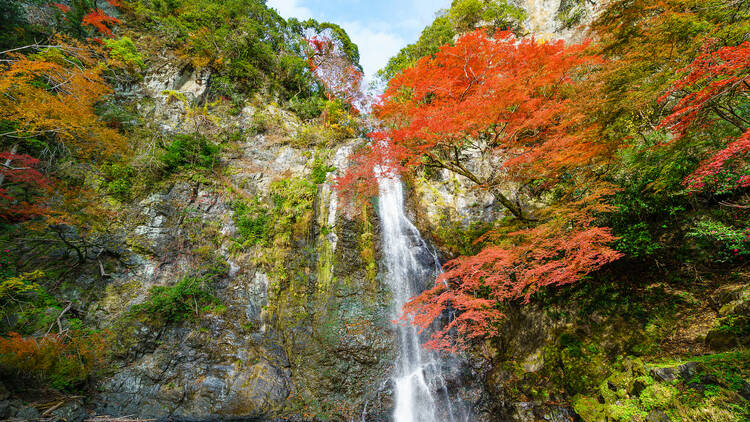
<point x="638" y="387"/>
<point x="70" y="412"/>
<point x="726" y="294"/>
<point x="657" y="416"/>
<point x="669" y="374"/>
<point x="745" y="390"/>
<point x="27" y="413"/>
<point x="720" y="340"/>
<point x="4" y="408"/>
<point x="4" y="393"/>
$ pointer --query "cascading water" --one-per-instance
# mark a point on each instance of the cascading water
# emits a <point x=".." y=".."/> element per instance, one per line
<point x="420" y="391"/>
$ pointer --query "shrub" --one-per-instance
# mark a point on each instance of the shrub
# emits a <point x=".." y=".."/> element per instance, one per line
<point x="65" y="362"/>
<point x="123" y="52"/>
<point x="310" y="135"/>
<point x="191" y="152"/>
<point x="320" y="171"/>
<point x="261" y="122"/>
<point x="179" y="302"/>
<point x="252" y="221"/>
<point x="118" y="180"/>
<point x="338" y="118"/>
<point x="308" y="108"/>
<point x="636" y="240"/>
<point x="727" y="243"/>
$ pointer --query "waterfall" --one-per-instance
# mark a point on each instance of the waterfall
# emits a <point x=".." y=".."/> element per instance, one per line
<point x="420" y="391"/>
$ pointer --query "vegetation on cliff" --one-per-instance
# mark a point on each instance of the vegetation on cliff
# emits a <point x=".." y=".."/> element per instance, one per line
<point x="620" y="165"/>
<point x="627" y="151"/>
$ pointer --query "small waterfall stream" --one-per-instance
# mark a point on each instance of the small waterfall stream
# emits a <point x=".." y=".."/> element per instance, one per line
<point x="420" y="392"/>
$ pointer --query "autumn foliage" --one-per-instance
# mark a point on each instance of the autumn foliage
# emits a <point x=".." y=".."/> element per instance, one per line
<point x="64" y="361"/>
<point x="505" y="98"/>
<point x="712" y="89"/>
<point x="512" y="103"/>
<point x="50" y="95"/>
<point x="19" y="179"/>
<point x="341" y="78"/>
<point x="558" y="252"/>
<point x="100" y="21"/>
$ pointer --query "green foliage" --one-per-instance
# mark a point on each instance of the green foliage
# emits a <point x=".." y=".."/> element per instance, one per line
<point x="460" y="240"/>
<point x="726" y="243"/>
<point x="320" y="170"/>
<point x="177" y="303"/>
<point x="292" y="207"/>
<point x="261" y="122"/>
<point x="118" y="180"/>
<point x="15" y="289"/>
<point x="117" y="116"/>
<point x="14" y="29"/>
<point x="434" y="36"/>
<point x="274" y="225"/>
<point x="340" y="121"/>
<point x="6" y="267"/>
<point x="252" y="220"/>
<point x="307" y="108"/>
<point x="735" y="325"/>
<point x="25" y="304"/>
<point x="124" y="51"/>
<point x="311" y="135"/>
<point x="250" y="47"/>
<point x="466" y="15"/>
<point x="333" y="30"/>
<point x="463" y="15"/>
<point x="190" y="152"/>
<point x="636" y="241"/>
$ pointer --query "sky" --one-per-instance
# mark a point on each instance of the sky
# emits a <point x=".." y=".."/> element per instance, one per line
<point x="380" y="28"/>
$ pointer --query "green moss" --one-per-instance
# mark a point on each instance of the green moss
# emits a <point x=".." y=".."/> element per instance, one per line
<point x="589" y="409"/>
<point x="712" y="394"/>
<point x="657" y="396"/>
<point x="118" y="180"/>
<point x="573" y="365"/>
<point x="367" y="245"/>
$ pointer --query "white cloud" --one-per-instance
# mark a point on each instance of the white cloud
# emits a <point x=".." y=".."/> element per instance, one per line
<point x="290" y="9"/>
<point x="376" y="45"/>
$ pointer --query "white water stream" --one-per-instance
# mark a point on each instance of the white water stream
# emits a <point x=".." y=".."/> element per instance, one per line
<point x="421" y="394"/>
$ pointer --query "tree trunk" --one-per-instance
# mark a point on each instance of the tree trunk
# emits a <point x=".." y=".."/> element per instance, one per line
<point x="7" y="163"/>
<point x="514" y="208"/>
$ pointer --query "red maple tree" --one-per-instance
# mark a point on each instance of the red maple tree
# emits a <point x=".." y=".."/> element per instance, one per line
<point x="19" y="178"/>
<point x="502" y="100"/>
<point x="714" y="88"/>
<point x="505" y="114"/>
<point x="99" y="20"/>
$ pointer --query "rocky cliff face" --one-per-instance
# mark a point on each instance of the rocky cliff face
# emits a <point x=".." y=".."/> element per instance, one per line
<point x="302" y="329"/>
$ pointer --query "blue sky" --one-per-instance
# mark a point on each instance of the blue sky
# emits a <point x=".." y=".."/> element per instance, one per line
<point x="379" y="27"/>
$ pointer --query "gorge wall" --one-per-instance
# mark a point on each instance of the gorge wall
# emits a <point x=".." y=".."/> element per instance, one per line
<point x="291" y="314"/>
